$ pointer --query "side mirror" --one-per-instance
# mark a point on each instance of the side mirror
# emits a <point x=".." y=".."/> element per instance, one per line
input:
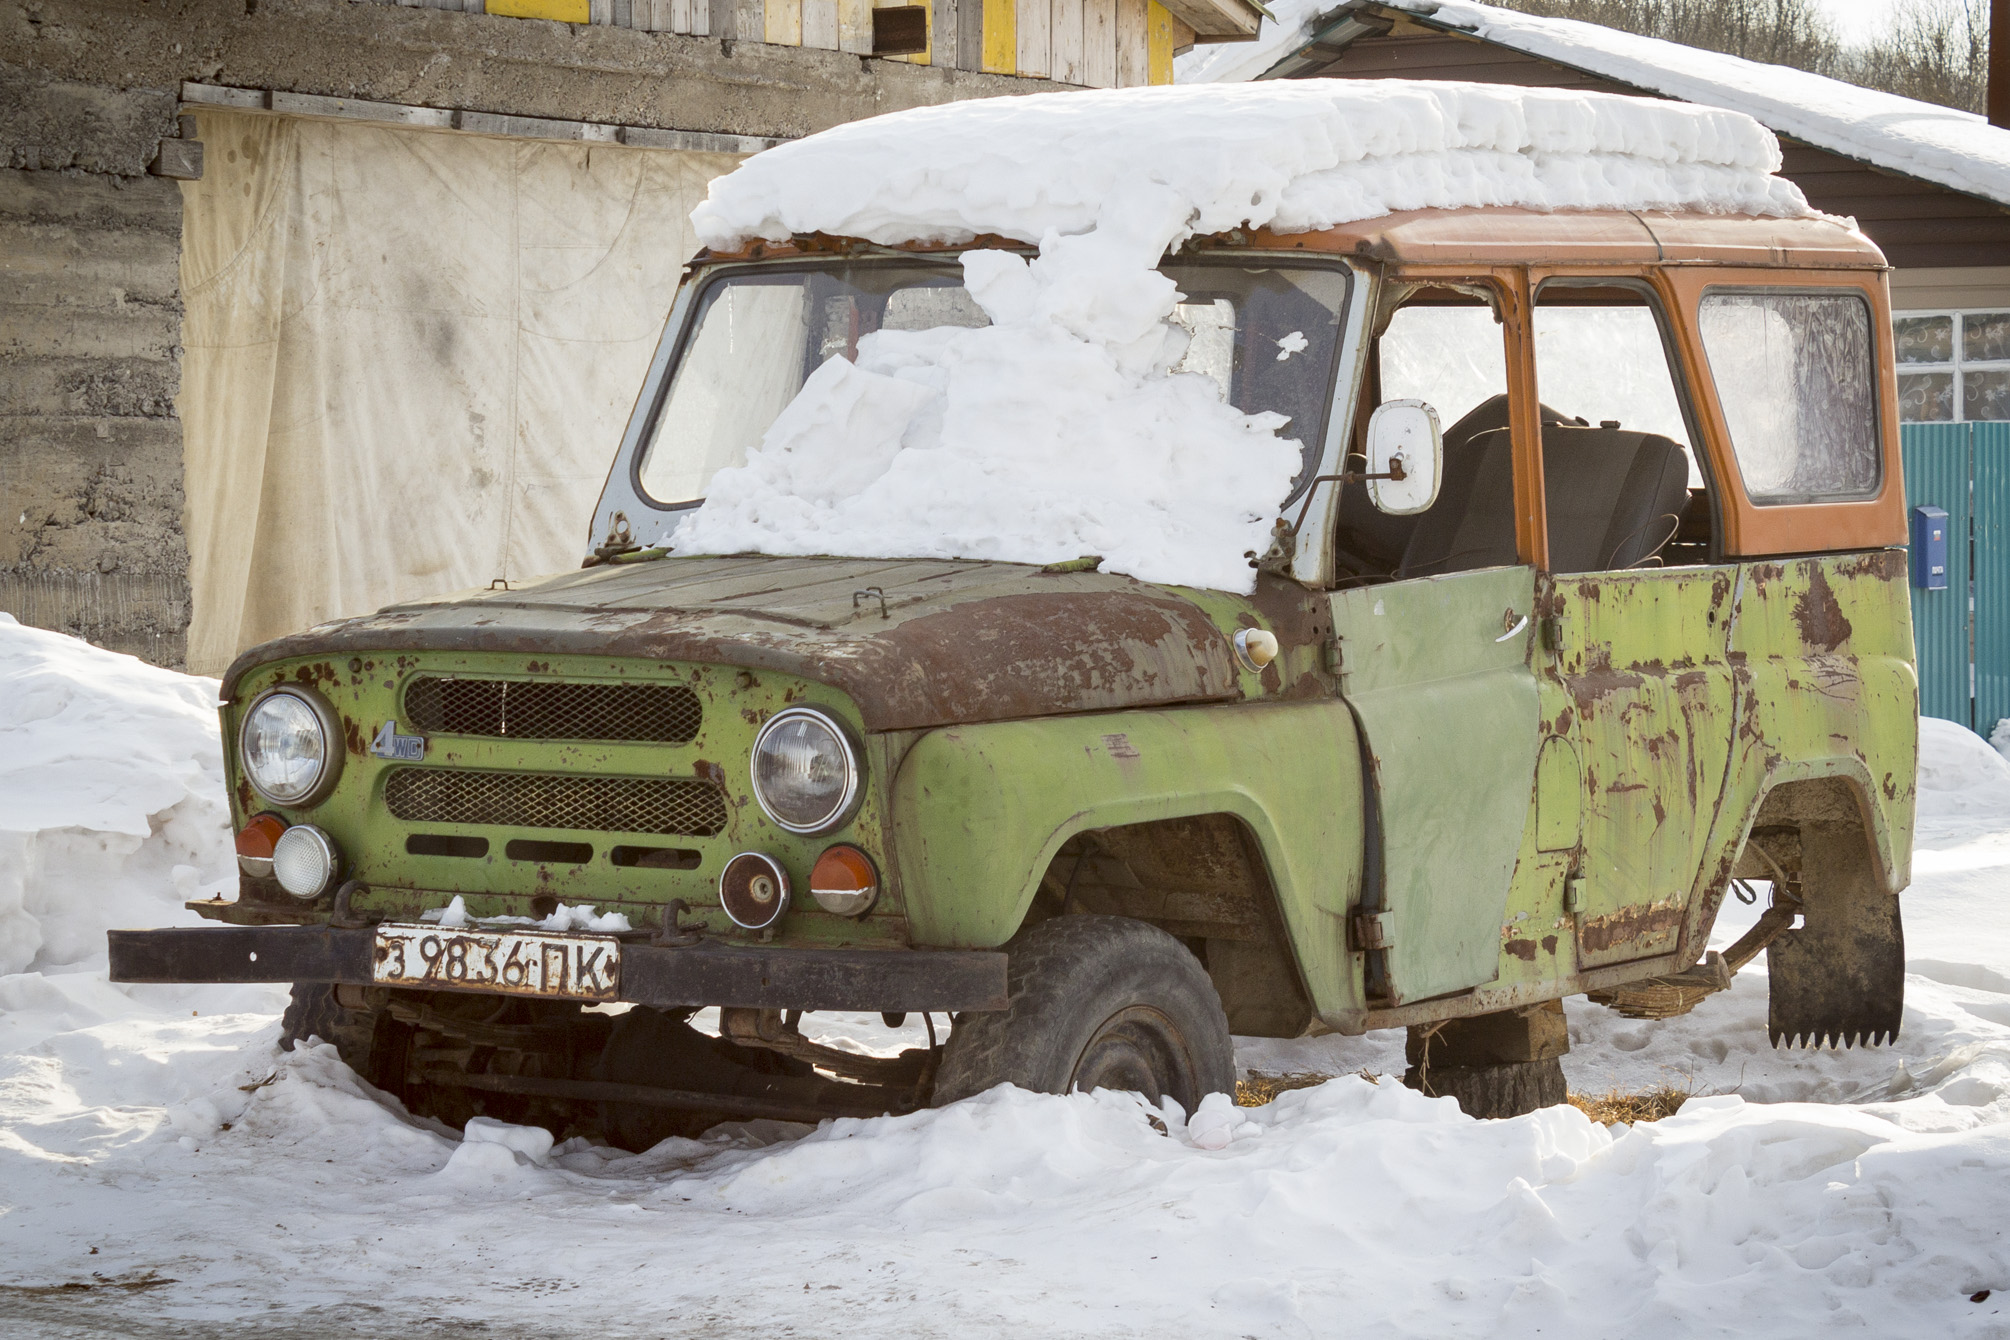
<point x="1406" y="457"/>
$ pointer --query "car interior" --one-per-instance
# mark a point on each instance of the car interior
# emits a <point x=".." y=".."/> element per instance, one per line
<point x="1622" y="488"/>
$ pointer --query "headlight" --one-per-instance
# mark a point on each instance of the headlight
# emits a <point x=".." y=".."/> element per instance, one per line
<point x="305" y="861"/>
<point x="290" y="744"/>
<point x="806" y="772"/>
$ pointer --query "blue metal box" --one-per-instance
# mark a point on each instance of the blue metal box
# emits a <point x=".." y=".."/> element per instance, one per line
<point x="1929" y="548"/>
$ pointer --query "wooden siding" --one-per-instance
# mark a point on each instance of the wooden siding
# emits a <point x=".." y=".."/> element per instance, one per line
<point x="1914" y="222"/>
<point x="1093" y="43"/>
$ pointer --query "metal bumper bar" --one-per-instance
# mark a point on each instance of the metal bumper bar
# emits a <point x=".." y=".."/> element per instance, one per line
<point x="890" y="980"/>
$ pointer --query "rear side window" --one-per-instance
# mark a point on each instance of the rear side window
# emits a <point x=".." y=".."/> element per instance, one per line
<point x="1799" y="389"/>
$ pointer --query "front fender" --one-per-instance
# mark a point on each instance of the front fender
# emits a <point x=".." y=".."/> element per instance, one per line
<point x="979" y="811"/>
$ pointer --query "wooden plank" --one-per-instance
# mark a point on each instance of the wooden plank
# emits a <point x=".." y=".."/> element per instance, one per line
<point x="1065" y="33"/>
<point x="782" y="23"/>
<point x="680" y="16"/>
<point x="1159" y="44"/>
<point x="1035" y="51"/>
<point x="750" y="20"/>
<point x="701" y="18"/>
<point x="1132" y="65"/>
<point x="855" y="26"/>
<point x="1099" y="43"/>
<point x="624" y="13"/>
<point x="942" y="19"/>
<point x="1001" y="36"/>
<point x="820" y="24"/>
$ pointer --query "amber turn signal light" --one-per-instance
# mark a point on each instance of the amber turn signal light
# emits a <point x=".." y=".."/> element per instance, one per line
<point x="255" y="842"/>
<point x="844" y="881"/>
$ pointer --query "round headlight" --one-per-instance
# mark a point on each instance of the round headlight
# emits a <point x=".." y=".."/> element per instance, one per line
<point x="305" y="861"/>
<point x="291" y="747"/>
<point x="806" y="773"/>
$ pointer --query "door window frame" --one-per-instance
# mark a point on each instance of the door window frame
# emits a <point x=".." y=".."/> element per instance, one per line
<point x="1650" y="283"/>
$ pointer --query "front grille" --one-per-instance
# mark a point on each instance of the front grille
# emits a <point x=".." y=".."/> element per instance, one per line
<point x="524" y="709"/>
<point x="534" y="800"/>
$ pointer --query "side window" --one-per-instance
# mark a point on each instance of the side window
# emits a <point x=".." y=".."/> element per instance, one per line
<point x="1622" y="487"/>
<point x="1446" y="349"/>
<point x="1794" y="373"/>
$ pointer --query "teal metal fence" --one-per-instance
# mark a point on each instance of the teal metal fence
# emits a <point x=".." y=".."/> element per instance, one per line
<point x="1989" y="518"/>
<point x="1937" y="475"/>
<point x="1962" y="634"/>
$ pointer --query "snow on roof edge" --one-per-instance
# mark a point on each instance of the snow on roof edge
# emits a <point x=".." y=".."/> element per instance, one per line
<point x="1958" y="150"/>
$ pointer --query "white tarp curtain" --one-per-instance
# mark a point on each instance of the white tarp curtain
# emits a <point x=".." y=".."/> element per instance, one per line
<point x="409" y="356"/>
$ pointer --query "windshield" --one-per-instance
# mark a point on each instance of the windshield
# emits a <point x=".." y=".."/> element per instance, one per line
<point x="1265" y="335"/>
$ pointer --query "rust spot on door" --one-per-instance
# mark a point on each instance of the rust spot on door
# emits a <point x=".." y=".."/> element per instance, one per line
<point x="1819" y="615"/>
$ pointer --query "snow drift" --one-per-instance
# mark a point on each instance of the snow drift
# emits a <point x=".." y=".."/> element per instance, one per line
<point x="1061" y="428"/>
<point x="112" y="805"/>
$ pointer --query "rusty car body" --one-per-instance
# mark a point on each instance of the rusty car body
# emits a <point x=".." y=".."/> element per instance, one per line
<point x="1463" y="788"/>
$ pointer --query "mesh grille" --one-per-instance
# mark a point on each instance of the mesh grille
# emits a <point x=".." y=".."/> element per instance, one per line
<point x="534" y="800"/>
<point x="539" y="710"/>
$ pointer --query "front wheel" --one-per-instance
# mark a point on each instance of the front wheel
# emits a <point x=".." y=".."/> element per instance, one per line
<point x="1096" y="1002"/>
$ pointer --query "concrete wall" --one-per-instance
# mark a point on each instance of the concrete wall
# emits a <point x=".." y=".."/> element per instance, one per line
<point x="90" y="329"/>
<point x="91" y="537"/>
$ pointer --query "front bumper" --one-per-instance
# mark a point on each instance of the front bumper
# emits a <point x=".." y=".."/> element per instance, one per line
<point x="886" y="980"/>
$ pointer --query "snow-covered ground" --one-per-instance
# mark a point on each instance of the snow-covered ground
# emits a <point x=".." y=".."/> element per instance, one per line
<point x="165" y="1170"/>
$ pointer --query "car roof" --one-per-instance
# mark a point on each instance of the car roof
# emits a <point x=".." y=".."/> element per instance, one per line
<point x="1494" y="236"/>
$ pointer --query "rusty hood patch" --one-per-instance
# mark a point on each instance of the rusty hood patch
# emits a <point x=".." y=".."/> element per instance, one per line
<point x="913" y="643"/>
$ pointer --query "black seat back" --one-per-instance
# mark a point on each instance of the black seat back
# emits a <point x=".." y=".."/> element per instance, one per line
<point x="1613" y="499"/>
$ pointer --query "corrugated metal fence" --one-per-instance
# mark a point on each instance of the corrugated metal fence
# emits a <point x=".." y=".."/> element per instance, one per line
<point x="1962" y="634"/>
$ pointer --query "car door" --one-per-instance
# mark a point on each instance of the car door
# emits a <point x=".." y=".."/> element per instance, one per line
<point x="1635" y="606"/>
<point x="1436" y="664"/>
<point x="1437" y="672"/>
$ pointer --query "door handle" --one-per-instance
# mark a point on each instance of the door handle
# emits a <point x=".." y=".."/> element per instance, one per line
<point x="1514" y="631"/>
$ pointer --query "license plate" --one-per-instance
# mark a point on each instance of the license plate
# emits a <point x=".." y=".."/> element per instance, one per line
<point x="517" y="963"/>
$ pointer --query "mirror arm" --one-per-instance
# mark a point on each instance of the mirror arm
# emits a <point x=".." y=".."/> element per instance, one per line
<point x="1396" y="473"/>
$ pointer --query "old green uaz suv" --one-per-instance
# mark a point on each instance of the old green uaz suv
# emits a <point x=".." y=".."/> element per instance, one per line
<point x="1588" y="608"/>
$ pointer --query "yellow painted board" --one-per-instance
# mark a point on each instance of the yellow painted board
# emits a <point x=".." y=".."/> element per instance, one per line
<point x="855" y="26"/>
<point x="1158" y="43"/>
<point x="1132" y="67"/>
<point x="1001" y="36"/>
<point x="782" y="23"/>
<point x="564" y="11"/>
<point x="1035" y="48"/>
<point x="1099" y="43"/>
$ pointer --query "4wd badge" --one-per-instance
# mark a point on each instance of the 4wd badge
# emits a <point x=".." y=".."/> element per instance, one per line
<point x="390" y="744"/>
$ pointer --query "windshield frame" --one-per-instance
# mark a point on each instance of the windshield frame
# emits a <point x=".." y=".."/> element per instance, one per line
<point x="625" y="500"/>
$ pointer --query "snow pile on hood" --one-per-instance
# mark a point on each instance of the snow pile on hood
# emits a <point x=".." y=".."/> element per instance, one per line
<point x="1060" y="429"/>
<point x="112" y="806"/>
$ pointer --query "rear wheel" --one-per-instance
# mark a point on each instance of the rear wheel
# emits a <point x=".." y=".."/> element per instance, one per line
<point x="1097" y="1002"/>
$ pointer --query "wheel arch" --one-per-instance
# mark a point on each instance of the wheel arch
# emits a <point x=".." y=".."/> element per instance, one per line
<point x="983" y="814"/>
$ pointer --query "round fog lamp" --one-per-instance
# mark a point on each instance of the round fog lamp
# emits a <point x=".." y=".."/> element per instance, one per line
<point x="754" y="890"/>
<point x="290" y="744"/>
<point x="305" y="861"/>
<point x="844" y="881"/>
<point x="805" y="770"/>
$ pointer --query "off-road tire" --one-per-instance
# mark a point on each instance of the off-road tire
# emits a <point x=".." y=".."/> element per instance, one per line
<point x="366" y="1040"/>
<point x="1096" y="1002"/>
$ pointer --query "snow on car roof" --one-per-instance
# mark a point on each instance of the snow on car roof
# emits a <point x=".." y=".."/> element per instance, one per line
<point x="1297" y="155"/>
<point x="1064" y="427"/>
<point x="1953" y="148"/>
